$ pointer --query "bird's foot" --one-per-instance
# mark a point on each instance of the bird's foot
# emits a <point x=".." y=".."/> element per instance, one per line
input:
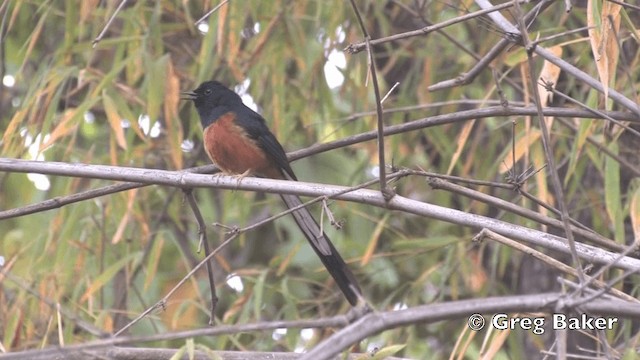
<point x="239" y="177"/>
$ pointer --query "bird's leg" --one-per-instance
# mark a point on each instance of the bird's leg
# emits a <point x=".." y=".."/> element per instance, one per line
<point x="215" y="177"/>
<point x="239" y="177"/>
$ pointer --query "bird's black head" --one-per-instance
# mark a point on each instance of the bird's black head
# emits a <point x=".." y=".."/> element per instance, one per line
<point x="212" y="100"/>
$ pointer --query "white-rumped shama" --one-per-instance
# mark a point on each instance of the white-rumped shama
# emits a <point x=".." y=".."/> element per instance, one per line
<point x="238" y="141"/>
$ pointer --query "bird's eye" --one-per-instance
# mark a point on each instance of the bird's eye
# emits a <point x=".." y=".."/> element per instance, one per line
<point x="207" y="92"/>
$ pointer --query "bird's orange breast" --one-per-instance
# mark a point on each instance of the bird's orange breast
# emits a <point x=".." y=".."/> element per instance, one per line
<point x="234" y="152"/>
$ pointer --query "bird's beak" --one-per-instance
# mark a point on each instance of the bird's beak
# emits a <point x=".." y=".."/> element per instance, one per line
<point x="188" y="95"/>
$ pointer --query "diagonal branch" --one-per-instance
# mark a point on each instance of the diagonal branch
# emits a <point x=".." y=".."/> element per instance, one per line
<point x="375" y="323"/>
<point x="202" y="231"/>
<point x="548" y="151"/>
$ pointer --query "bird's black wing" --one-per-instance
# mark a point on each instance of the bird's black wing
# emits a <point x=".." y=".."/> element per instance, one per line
<point x="258" y="130"/>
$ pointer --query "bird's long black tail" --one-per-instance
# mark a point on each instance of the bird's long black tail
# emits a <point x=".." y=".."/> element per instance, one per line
<point x="324" y="249"/>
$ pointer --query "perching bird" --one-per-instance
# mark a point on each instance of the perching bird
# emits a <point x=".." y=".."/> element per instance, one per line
<point x="239" y="142"/>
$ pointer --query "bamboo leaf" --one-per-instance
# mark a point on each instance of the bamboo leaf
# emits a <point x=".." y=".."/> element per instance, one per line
<point x="172" y="120"/>
<point x="634" y="213"/>
<point x="115" y="120"/>
<point x="387" y="351"/>
<point x="603" y="19"/>
<point x="153" y="261"/>
<point x="108" y="274"/>
<point x="156" y="80"/>
<point x="612" y="196"/>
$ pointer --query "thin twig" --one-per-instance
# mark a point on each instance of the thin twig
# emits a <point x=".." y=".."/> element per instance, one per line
<point x="486" y="233"/>
<point x="431" y="105"/>
<point x="322" y="198"/>
<point x="623" y="4"/>
<point x="161" y="303"/>
<point x="631" y="248"/>
<point x="550" y="88"/>
<point x="202" y="231"/>
<point x="210" y="12"/>
<point x="606" y="288"/>
<point x="60" y="201"/>
<point x="497" y="18"/>
<point x="587" y="79"/>
<point x="562" y="34"/>
<point x="601" y="148"/>
<point x="108" y="24"/>
<point x="389" y="93"/>
<point x="357" y="47"/>
<point x="387" y="192"/>
<point x="468" y="76"/>
<point x="556" y="212"/>
<point x="561" y="334"/>
<point x="521" y="211"/>
<point x="548" y="151"/>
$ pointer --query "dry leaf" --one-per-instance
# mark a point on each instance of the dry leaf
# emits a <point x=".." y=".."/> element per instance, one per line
<point x="603" y="41"/>
<point x="115" y="120"/>
<point x="174" y="127"/>
<point x="634" y="214"/>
